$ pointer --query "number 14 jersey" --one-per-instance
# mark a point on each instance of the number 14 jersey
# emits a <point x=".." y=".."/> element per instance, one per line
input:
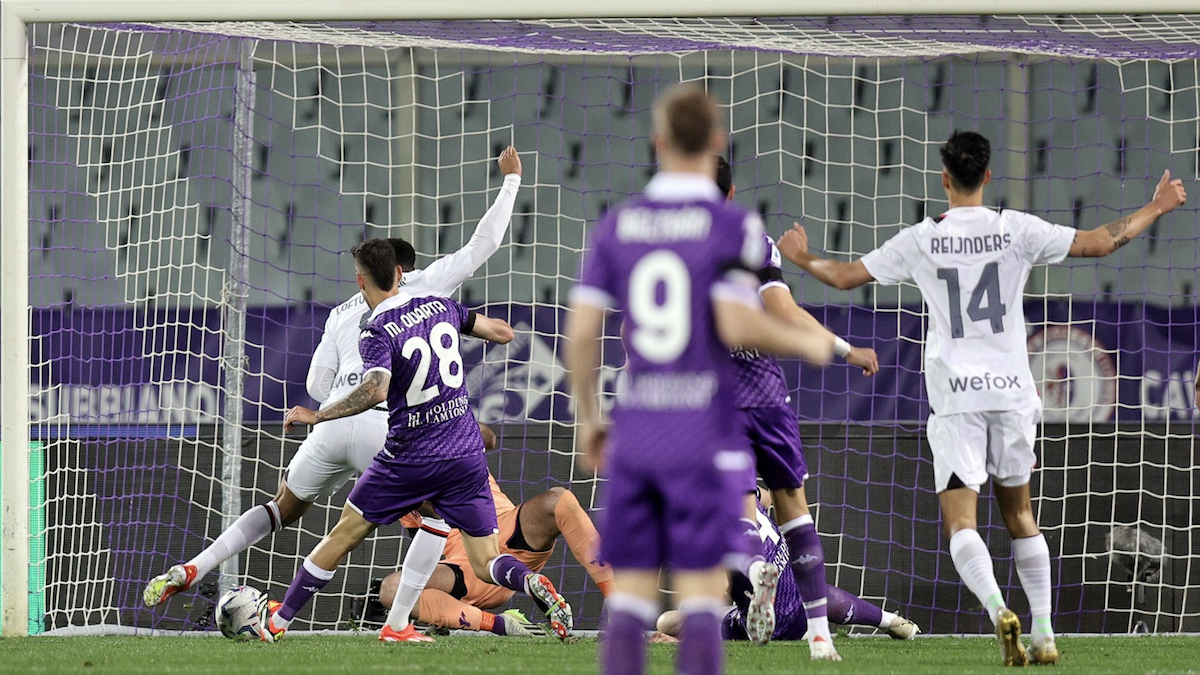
<point x="971" y="264"/>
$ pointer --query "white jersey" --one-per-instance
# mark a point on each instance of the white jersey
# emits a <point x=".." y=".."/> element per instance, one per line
<point x="971" y="264"/>
<point x="336" y="367"/>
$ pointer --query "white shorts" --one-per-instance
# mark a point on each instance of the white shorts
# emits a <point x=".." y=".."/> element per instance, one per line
<point x="333" y="452"/>
<point x="976" y="445"/>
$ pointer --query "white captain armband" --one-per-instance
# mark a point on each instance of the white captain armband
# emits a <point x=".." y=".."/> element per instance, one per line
<point x="841" y="347"/>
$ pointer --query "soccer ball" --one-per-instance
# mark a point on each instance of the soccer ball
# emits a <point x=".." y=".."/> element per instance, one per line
<point x="237" y="613"/>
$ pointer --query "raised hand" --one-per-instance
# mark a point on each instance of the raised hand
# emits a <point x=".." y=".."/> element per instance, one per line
<point x="794" y="244"/>
<point x="510" y="161"/>
<point x="1169" y="193"/>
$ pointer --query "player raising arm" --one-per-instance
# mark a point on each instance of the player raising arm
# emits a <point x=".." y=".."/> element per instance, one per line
<point x="433" y="452"/>
<point x="676" y="261"/>
<point x="971" y="264"/>
<point x="337" y="450"/>
<point x="768" y="426"/>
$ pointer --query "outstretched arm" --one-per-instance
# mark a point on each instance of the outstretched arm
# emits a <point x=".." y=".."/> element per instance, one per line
<point x="371" y="392"/>
<point x="492" y="330"/>
<point x="740" y="325"/>
<point x="1105" y="239"/>
<point x="843" y="275"/>
<point x="448" y="272"/>
<point x="778" y="302"/>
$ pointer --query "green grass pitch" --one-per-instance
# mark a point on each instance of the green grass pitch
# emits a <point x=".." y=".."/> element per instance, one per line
<point x="330" y="654"/>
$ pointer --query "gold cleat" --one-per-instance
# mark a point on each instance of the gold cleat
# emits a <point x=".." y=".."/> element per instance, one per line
<point x="1008" y="631"/>
<point x="1044" y="653"/>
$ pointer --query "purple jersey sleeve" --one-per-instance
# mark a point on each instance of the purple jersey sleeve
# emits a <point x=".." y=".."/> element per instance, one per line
<point x="375" y="349"/>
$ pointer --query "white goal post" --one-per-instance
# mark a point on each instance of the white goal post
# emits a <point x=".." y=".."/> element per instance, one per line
<point x="15" y="15"/>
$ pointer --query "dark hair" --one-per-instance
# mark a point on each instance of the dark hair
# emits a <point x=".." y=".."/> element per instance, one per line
<point x="687" y="119"/>
<point x="966" y="155"/>
<point x="724" y="176"/>
<point x="377" y="260"/>
<point x="406" y="255"/>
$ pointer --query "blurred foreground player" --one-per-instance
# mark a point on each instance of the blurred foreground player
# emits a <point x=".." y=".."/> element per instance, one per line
<point x="433" y="452"/>
<point x="454" y="599"/>
<point x="791" y="617"/>
<point x="339" y="449"/>
<point x="676" y="261"/>
<point x="971" y="264"/>
<point x="770" y="430"/>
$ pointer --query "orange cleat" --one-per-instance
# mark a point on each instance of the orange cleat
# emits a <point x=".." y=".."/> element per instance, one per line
<point x="409" y="634"/>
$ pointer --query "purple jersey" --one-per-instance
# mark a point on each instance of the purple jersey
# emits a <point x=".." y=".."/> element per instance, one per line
<point x="789" y="609"/>
<point x="662" y="258"/>
<point x="417" y="341"/>
<point x="759" y="380"/>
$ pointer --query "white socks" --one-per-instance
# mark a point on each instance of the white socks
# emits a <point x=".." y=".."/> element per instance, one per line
<point x="246" y="531"/>
<point x="1032" y="556"/>
<point x="419" y="563"/>
<point x="886" y="619"/>
<point x="974" y="565"/>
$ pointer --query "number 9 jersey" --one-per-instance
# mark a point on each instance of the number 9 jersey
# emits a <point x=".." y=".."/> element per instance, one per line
<point x="971" y="265"/>
<point x="662" y="258"/>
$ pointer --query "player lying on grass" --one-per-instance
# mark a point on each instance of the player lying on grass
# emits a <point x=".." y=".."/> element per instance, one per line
<point x="433" y="452"/>
<point x="768" y="427"/>
<point x="339" y="449"/>
<point x="970" y="264"/>
<point x="455" y="598"/>
<point x="791" y="622"/>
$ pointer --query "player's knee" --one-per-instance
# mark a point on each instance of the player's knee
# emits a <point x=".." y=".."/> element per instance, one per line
<point x="387" y="589"/>
<point x="668" y="623"/>
<point x="290" y="511"/>
<point x="551" y="498"/>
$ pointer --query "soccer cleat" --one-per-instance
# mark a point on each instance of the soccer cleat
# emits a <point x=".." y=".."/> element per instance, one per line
<point x="555" y="606"/>
<point x="821" y="649"/>
<point x="407" y="634"/>
<point x="902" y="629"/>
<point x="177" y="578"/>
<point x="1044" y="653"/>
<point x="1008" y="631"/>
<point x="760" y="615"/>
<point x="267" y="630"/>
<point x="663" y="639"/>
<point x="516" y="624"/>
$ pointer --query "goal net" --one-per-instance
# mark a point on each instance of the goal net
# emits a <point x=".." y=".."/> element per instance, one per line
<point x="194" y="189"/>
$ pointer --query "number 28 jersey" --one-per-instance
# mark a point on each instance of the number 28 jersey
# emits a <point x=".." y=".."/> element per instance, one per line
<point x="971" y="265"/>
<point x="417" y="341"/>
<point x="662" y="258"/>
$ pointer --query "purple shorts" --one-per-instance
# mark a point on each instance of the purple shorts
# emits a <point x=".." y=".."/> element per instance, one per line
<point x="458" y="488"/>
<point x="680" y="513"/>
<point x="774" y="436"/>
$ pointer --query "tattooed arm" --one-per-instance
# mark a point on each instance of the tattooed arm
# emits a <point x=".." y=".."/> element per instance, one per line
<point x="1108" y="238"/>
<point x="370" y="393"/>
